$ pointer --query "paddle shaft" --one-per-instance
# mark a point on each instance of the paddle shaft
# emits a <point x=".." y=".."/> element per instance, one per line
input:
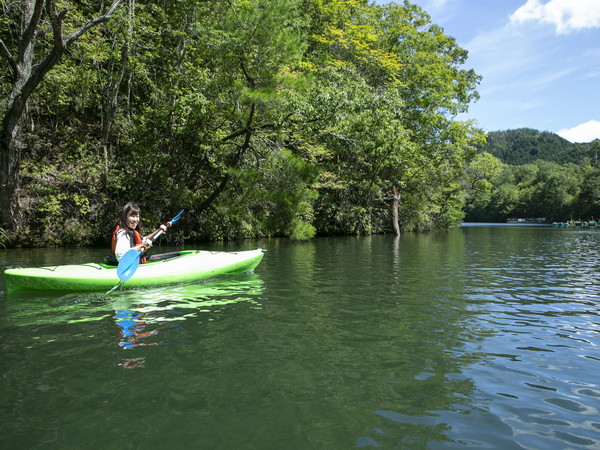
<point x="160" y="231"/>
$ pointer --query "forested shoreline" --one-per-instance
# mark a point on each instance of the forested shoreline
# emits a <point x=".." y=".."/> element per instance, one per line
<point x="528" y="173"/>
<point x="259" y="118"/>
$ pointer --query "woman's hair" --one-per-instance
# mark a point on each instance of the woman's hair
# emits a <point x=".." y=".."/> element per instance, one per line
<point x="129" y="208"/>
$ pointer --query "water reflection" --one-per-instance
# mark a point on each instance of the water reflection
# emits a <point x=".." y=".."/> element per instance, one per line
<point x="136" y="314"/>
<point x="380" y="332"/>
<point x="131" y="330"/>
<point x="131" y="327"/>
<point x="152" y="305"/>
<point x="149" y="309"/>
<point x="538" y="294"/>
<point x="482" y="337"/>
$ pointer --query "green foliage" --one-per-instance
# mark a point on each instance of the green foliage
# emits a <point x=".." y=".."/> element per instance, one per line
<point x="260" y="118"/>
<point x="524" y="146"/>
<point x="541" y="189"/>
<point x="386" y="82"/>
<point x="63" y="198"/>
<point x="532" y="174"/>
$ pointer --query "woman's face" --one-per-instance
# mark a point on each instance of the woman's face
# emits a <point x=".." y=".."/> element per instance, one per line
<point x="133" y="218"/>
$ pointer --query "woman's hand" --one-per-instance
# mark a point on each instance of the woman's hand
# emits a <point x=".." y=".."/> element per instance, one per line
<point x="147" y="240"/>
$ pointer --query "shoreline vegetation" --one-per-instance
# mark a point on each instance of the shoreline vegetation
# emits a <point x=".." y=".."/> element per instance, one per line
<point x="291" y="118"/>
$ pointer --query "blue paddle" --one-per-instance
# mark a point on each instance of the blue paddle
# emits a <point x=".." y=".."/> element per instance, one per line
<point x="131" y="259"/>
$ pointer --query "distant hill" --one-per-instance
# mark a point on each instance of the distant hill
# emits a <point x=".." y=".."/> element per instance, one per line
<point x="525" y="145"/>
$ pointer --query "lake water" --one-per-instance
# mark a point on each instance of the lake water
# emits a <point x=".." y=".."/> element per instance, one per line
<point x="481" y="337"/>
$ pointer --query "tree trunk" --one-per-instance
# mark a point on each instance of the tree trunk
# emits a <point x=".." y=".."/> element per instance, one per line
<point x="393" y="199"/>
<point x="110" y="108"/>
<point x="10" y="140"/>
<point x="111" y="97"/>
<point x="10" y="158"/>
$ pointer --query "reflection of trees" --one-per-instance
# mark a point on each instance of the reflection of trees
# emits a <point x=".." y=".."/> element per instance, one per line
<point x="161" y="304"/>
<point x="172" y="304"/>
<point x="340" y="349"/>
<point x="58" y="356"/>
<point x="371" y="345"/>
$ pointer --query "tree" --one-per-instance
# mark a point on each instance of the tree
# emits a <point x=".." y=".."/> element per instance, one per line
<point x="389" y="86"/>
<point x="588" y="205"/>
<point x="282" y="117"/>
<point x="211" y="118"/>
<point x="540" y="189"/>
<point x="555" y="190"/>
<point x="28" y="67"/>
<point x="479" y="177"/>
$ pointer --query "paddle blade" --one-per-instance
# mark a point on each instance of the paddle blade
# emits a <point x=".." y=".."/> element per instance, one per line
<point x="128" y="264"/>
<point x="176" y="218"/>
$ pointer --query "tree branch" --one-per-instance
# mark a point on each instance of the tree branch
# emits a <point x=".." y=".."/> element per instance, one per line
<point x="5" y="52"/>
<point x="92" y="23"/>
<point x="251" y="81"/>
<point x="29" y="34"/>
<point x="41" y="69"/>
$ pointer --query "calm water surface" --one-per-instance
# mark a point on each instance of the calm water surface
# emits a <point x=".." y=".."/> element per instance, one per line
<point x="482" y="337"/>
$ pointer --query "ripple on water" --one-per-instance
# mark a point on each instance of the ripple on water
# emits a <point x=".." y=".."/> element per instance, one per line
<point x="542" y="308"/>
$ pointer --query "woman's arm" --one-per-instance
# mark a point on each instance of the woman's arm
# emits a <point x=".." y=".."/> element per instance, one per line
<point x="151" y="236"/>
<point x="124" y="244"/>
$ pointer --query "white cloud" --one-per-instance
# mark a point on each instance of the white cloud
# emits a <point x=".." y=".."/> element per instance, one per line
<point x="585" y="132"/>
<point x="513" y="63"/>
<point x="565" y="15"/>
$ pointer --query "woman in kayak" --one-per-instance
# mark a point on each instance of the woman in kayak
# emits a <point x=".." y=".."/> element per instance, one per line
<point x="128" y="234"/>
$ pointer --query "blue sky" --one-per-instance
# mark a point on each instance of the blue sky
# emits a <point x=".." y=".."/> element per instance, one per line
<point x="540" y="61"/>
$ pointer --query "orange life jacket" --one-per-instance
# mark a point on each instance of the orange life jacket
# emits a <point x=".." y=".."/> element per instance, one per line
<point x="134" y="237"/>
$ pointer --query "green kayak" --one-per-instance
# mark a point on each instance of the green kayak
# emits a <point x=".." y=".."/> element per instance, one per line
<point x="187" y="266"/>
